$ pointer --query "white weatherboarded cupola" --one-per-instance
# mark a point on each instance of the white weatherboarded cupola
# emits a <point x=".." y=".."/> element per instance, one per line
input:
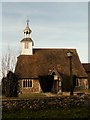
<point x="27" y="43"/>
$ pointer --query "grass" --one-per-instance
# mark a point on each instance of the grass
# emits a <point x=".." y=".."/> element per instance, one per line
<point x="72" y="113"/>
<point x="40" y="95"/>
<point x="26" y="96"/>
<point x="84" y="90"/>
<point x="31" y="95"/>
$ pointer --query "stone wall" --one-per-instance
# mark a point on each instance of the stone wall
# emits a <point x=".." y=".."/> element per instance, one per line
<point x="83" y="83"/>
<point x="35" y="87"/>
<point x="47" y="102"/>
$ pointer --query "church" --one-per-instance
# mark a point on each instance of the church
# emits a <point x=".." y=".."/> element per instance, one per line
<point x="46" y="69"/>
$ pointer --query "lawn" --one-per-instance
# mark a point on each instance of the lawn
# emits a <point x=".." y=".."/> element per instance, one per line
<point x="40" y="95"/>
<point x="26" y="96"/>
<point x="72" y="113"/>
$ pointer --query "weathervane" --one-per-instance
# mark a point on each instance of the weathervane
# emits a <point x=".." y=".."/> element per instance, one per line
<point x="27" y="22"/>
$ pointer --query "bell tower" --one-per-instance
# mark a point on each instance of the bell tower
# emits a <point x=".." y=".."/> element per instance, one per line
<point x="27" y="43"/>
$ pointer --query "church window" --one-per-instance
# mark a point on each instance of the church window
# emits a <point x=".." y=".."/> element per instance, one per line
<point x="23" y="83"/>
<point x="77" y="82"/>
<point x="26" y="45"/>
<point x="27" y="83"/>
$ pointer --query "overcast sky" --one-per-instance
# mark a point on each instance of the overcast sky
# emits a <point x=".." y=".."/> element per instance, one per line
<point x="54" y="25"/>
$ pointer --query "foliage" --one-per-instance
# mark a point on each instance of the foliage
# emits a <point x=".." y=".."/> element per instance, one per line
<point x="46" y="82"/>
<point x="66" y="83"/>
<point x="3" y="85"/>
<point x="11" y="85"/>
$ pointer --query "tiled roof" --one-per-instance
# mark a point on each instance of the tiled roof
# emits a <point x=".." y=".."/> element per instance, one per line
<point x="86" y="66"/>
<point x="43" y="60"/>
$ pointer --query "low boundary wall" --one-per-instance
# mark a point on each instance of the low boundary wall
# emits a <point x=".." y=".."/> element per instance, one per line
<point x="47" y="102"/>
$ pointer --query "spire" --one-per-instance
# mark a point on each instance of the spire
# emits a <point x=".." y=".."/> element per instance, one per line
<point x="27" y="30"/>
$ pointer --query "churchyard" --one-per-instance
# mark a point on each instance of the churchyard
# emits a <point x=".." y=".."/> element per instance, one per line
<point x="47" y="106"/>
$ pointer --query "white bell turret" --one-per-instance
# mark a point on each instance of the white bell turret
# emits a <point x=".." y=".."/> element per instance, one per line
<point x="27" y="43"/>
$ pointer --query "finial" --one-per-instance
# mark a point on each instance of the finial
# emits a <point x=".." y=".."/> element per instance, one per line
<point x="27" y="30"/>
<point x="27" y="22"/>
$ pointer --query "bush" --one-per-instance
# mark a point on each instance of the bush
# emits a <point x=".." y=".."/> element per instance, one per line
<point x="66" y="83"/>
<point x="11" y="85"/>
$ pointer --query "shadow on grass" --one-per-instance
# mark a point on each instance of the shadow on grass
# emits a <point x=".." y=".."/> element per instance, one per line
<point x="61" y="114"/>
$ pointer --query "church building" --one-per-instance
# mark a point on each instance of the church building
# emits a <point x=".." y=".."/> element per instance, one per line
<point x="45" y="69"/>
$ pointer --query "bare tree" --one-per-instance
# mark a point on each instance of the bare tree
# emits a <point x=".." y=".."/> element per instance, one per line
<point x="8" y="62"/>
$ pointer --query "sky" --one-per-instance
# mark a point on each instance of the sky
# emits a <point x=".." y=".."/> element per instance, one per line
<point x="53" y="25"/>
